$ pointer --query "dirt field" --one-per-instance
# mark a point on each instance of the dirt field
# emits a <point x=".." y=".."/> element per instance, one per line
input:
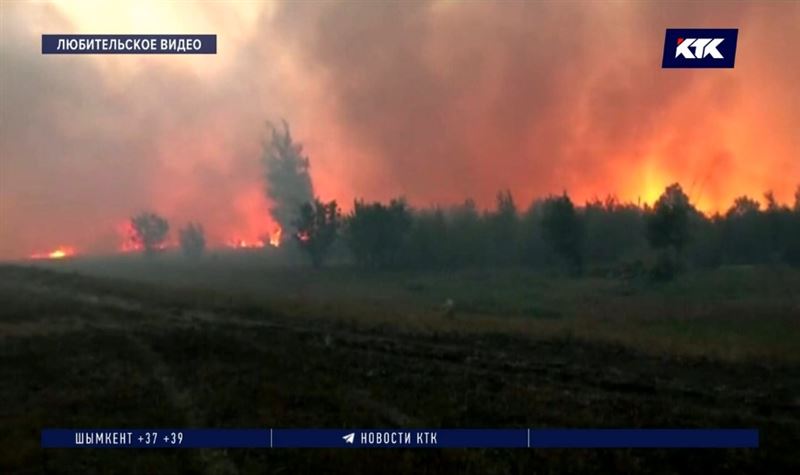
<point x="89" y="352"/>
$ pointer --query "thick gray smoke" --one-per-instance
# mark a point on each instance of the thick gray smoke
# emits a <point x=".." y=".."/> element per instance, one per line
<point x="288" y="184"/>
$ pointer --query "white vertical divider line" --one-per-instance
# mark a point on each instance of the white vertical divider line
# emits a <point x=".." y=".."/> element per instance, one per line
<point x="529" y="438"/>
<point x="270" y="437"/>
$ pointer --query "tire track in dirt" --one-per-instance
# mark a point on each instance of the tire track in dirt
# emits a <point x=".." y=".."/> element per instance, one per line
<point x="213" y="461"/>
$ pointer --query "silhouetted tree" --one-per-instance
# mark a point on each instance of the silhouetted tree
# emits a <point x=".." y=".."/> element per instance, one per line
<point x="467" y="238"/>
<point x="797" y="200"/>
<point x="428" y="243"/>
<point x="563" y="230"/>
<point x="149" y="231"/>
<point x="376" y="232"/>
<point x="193" y="240"/>
<point x="317" y="225"/>
<point x="668" y="222"/>
<point x="745" y="236"/>
<point x="534" y="248"/>
<point x="779" y="223"/>
<point x="612" y="229"/>
<point x="503" y="224"/>
<point x="743" y="206"/>
<point x="706" y="247"/>
<point x="793" y="249"/>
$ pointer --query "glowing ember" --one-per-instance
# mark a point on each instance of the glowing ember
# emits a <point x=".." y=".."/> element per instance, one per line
<point x="245" y="244"/>
<point x="60" y="252"/>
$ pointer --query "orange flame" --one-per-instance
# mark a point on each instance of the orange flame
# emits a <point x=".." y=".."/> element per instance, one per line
<point x="275" y="237"/>
<point x="130" y="243"/>
<point x="61" y="252"/>
<point x="245" y="244"/>
<point x="272" y="239"/>
<point x="128" y="235"/>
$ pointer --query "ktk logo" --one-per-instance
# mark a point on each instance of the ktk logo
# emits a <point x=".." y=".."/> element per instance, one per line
<point x="702" y="47"/>
<point x="699" y="48"/>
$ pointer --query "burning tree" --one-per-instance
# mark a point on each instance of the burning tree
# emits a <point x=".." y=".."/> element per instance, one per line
<point x="288" y="184"/>
<point x="317" y="225"/>
<point x="149" y="231"/>
<point x="193" y="240"/>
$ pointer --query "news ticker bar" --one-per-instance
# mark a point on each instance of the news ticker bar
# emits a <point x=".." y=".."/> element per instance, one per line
<point x="128" y="44"/>
<point x="400" y="438"/>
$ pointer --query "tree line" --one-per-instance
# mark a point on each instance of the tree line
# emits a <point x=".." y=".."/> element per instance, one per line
<point x="607" y="235"/>
<point x="553" y="232"/>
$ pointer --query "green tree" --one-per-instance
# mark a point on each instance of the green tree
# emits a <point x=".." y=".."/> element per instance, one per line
<point x="317" y="225"/>
<point x="376" y="233"/>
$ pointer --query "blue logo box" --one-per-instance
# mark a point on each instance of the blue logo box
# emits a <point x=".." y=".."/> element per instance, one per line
<point x="700" y="48"/>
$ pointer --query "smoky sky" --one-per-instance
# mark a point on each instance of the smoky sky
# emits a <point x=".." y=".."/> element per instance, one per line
<point x="435" y="101"/>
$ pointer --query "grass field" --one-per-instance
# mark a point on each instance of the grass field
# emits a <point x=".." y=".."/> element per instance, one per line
<point x="240" y="341"/>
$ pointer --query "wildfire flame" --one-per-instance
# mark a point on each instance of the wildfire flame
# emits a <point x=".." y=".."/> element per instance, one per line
<point x="129" y="241"/>
<point x="60" y="252"/>
<point x="275" y="237"/>
<point x="245" y="244"/>
<point x="130" y="244"/>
